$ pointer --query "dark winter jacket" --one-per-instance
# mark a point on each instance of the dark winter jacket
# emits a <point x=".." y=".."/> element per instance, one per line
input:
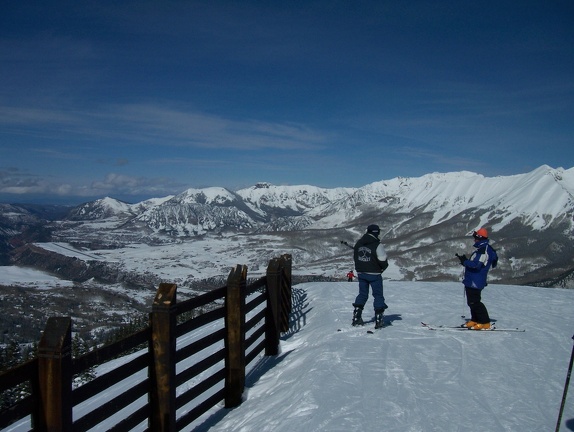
<point x="369" y="255"/>
<point x="477" y="266"/>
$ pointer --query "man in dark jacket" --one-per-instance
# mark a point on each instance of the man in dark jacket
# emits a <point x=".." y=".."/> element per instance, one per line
<point x="475" y="272"/>
<point x="370" y="261"/>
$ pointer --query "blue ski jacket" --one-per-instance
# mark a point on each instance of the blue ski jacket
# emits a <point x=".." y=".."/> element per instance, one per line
<point x="477" y="266"/>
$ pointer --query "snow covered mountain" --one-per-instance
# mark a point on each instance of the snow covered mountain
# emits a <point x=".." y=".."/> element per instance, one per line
<point x="291" y="200"/>
<point x="540" y="199"/>
<point x="197" y="211"/>
<point x="109" y="207"/>
<point x="424" y="221"/>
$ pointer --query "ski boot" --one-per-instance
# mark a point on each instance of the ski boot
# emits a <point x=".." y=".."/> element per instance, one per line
<point x="357" y="318"/>
<point x="469" y="324"/>
<point x="481" y="326"/>
<point x="379" y="323"/>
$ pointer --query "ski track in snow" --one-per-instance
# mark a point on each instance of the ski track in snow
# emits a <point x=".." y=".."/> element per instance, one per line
<point x="407" y="378"/>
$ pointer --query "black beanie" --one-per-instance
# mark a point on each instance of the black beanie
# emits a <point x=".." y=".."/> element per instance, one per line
<point x="374" y="229"/>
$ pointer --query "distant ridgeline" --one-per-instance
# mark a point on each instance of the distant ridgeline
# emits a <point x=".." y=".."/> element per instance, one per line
<point x="424" y="222"/>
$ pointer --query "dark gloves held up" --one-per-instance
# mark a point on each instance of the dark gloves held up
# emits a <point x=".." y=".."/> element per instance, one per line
<point x="462" y="258"/>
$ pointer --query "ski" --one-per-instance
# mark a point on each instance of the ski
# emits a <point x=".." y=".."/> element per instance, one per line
<point x="370" y="330"/>
<point x="442" y="326"/>
<point x="357" y="327"/>
<point x="384" y="325"/>
<point x="459" y="328"/>
<point x="375" y="329"/>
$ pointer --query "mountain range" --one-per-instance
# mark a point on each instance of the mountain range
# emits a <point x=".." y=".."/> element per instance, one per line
<point x="424" y="221"/>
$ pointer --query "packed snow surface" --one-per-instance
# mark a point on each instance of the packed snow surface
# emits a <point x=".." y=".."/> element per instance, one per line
<point x="408" y="378"/>
<point x="330" y="376"/>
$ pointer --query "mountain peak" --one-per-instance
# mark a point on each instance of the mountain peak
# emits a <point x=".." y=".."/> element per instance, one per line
<point x="210" y="195"/>
<point x="100" y="209"/>
<point x="262" y="185"/>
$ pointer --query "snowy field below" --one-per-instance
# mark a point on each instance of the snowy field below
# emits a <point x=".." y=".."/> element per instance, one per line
<point x="28" y="277"/>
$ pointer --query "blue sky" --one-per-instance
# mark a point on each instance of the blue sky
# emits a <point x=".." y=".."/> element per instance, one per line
<point x="139" y="99"/>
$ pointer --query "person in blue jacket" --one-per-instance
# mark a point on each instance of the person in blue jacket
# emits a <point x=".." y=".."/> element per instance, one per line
<point x="475" y="273"/>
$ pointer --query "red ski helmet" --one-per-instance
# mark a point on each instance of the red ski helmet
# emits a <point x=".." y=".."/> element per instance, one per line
<point x="481" y="233"/>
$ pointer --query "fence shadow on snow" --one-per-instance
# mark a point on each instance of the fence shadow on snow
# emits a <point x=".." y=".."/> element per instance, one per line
<point x="297" y="320"/>
<point x="169" y="373"/>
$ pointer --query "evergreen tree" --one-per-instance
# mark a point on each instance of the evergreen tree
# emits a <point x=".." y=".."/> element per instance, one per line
<point x="79" y="348"/>
<point x="11" y="357"/>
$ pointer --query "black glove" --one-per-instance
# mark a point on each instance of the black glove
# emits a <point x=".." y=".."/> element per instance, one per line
<point x="384" y="265"/>
<point x="462" y="258"/>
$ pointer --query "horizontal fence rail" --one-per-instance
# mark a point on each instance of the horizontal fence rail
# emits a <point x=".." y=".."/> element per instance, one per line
<point x="163" y="377"/>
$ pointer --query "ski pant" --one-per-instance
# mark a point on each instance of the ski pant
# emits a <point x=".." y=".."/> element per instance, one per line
<point x="478" y="312"/>
<point x="375" y="281"/>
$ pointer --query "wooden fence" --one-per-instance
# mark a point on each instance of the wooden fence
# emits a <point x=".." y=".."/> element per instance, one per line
<point x="174" y="372"/>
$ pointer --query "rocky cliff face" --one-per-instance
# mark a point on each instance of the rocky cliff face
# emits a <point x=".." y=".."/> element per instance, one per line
<point x="19" y="226"/>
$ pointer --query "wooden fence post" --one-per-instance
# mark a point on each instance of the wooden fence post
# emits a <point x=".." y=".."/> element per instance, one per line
<point x="162" y="371"/>
<point x="286" y="293"/>
<point x="55" y="376"/>
<point x="235" y="340"/>
<point x="272" y="311"/>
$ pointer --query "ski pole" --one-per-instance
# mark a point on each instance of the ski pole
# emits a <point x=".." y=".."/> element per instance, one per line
<point x="565" y="389"/>
<point x="463" y="302"/>
<point x="463" y="295"/>
<point x="346" y="244"/>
